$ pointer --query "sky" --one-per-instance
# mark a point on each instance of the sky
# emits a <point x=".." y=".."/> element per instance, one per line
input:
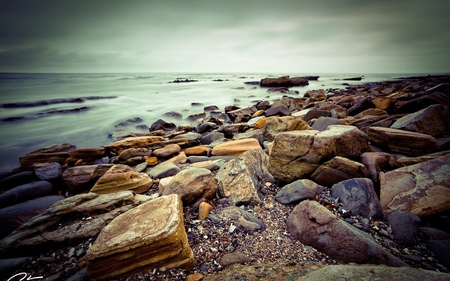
<point x="287" y="36"/>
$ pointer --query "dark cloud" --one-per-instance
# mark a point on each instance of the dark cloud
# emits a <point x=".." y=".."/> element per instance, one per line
<point x="231" y="35"/>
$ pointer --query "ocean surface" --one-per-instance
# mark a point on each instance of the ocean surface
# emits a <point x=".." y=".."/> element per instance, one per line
<point x="39" y="110"/>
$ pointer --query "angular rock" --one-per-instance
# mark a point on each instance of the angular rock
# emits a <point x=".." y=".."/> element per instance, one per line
<point x="167" y="151"/>
<point x="276" y="125"/>
<point x="407" y="161"/>
<point x="235" y="148"/>
<point x="192" y="184"/>
<point x="404" y="227"/>
<point x="384" y="103"/>
<point x="9" y="266"/>
<point x="359" y="197"/>
<point x="360" y="106"/>
<point x="316" y="113"/>
<point x="241" y="179"/>
<point x="314" y="225"/>
<point x="82" y="178"/>
<point x="117" y="147"/>
<point x="133" y="152"/>
<point x="298" y="153"/>
<point x="163" y="170"/>
<point x="203" y="210"/>
<point x="433" y="120"/>
<point x="243" y="219"/>
<point x="375" y="162"/>
<point x="55" y="153"/>
<point x="149" y="236"/>
<point x="323" y="122"/>
<point x="401" y="141"/>
<point x="25" y="192"/>
<point x="213" y="136"/>
<point x="337" y="170"/>
<point x="421" y="189"/>
<point x="298" y="190"/>
<point x="191" y="137"/>
<point x="240" y="113"/>
<point x="278" y="110"/>
<point x="298" y="124"/>
<point x="257" y="134"/>
<point x="122" y="177"/>
<point x="230" y="130"/>
<point x="49" y="172"/>
<point x="86" y="155"/>
<point x="162" y="125"/>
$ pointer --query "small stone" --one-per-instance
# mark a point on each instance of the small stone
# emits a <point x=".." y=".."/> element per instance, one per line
<point x="233" y="258"/>
<point x="203" y="210"/>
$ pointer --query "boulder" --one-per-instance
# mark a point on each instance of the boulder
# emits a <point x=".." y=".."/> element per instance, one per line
<point x="338" y="169"/>
<point x="433" y="120"/>
<point x="133" y="152"/>
<point x="149" y="236"/>
<point x="298" y="153"/>
<point x="122" y="177"/>
<point x="162" y="125"/>
<point x="11" y="265"/>
<point x="86" y="155"/>
<point x="316" y="113"/>
<point x="373" y="273"/>
<point x="314" y="225"/>
<point x="404" y="227"/>
<point x="421" y="189"/>
<point x="359" y="197"/>
<point x="401" y="141"/>
<point x="283" y="81"/>
<point x="375" y="162"/>
<point x="16" y="180"/>
<point x="25" y="192"/>
<point x="167" y="151"/>
<point x="360" y="106"/>
<point x="278" y="110"/>
<point x="241" y="113"/>
<point x="191" y="138"/>
<point x="298" y="191"/>
<point x="213" y="136"/>
<point x="163" y="170"/>
<point x="243" y="219"/>
<point x="49" y="172"/>
<point x="117" y="147"/>
<point x="230" y="130"/>
<point x="241" y="179"/>
<point x="192" y="184"/>
<point x="55" y="153"/>
<point x="235" y="148"/>
<point x="82" y="178"/>
<point x="322" y="123"/>
<point x="13" y="216"/>
<point x="384" y="103"/>
<point x="298" y="124"/>
<point x="276" y="125"/>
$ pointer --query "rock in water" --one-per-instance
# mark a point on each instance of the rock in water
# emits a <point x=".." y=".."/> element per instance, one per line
<point x="122" y="177"/>
<point x="149" y="236"/>
<point x="314" y="225"/>
<point x="422" y="189"/>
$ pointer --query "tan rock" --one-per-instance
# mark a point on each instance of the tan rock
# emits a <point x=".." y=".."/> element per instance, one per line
<point x="122" y="177"/>
<point x="149" y="236"/>
<point x="87" y="155"/>
<point x="151" y="160"/>
<point x="422" y="189"/>
<point x="203" y="210"/>
<point x="400" y="141"/>
<point x="258" y="113"/>
<point x="235" y="148"/>
<point x="55" y="153"/>
<point x="163" y="183"/>
<point x="261" y="123"/>
<point x="196" y="150"/>
<point x="338" y="169"/>
<point x="298" y="124"/>
<point x="117" y="147"/>
<point x="133" y="152"/>
<point x="167" y="151"/>
<point x="277" y="125"/>
<point x="384" y="103"/>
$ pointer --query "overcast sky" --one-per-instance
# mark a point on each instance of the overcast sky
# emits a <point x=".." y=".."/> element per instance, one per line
<point x="317" y="36"/>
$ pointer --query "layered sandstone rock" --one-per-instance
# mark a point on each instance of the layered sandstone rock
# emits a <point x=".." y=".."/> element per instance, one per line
<point x="149" y="236"/>
<point x="235" y="148"/>
<point x="82" y="178"/>
<point x="338" y="169"/>
<point x="117" y="147"/>
<point x="122" y="177"/>
<point x="55" y="153"/>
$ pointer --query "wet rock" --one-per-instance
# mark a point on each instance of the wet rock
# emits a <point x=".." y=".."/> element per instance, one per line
<point x="165" y="169"/>
<point x="16" y="180"/>
<point x="337" y="170"/>
<point x="25" y="192"/>
<point x="49" y="172"/>
<point x="323" y="122"/>
<point x="235" y="148"/>
<point x="298" y="190"/>
<point x="192" y="184"/>
<point x="117" y="147"/>
<point x="316" y="113"/>
<point x="298" y="153"/>
<point x="167" y="151"/>
<point x="240" y="180"/>
<point x="55" y="153"/>
<point x="283" y="81"/>
<point x="421" y="189"/>
<point x="241" y="113"/>
<point x="206" y="127"/>
<point x="404" y="227"/>
<point x="173" y="114"/>
<point x="234" y="258"/>
<point x="149" y="236"/>
<point x="13" y="216"/>
<point x="82" y="178"/>
<point x="122" y="177"/>
<point x="162" y="125"/>
<point x="243" y="219"/>
<point x="433" y="120"/>
<point x="359" y="197"/>
<point x="403" y="142"/>
<point x="314" y="225"/>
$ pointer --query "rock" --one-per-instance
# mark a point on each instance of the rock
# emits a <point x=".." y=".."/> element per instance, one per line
<point x="316" y="113"/>
<point x="88" y="213"/>
<point x="368" y="117"/>
<point x="299" y="124"/>
<point x="196" y="150"/>
<point x="206" y="127"/>
<point x="375" y="162"/>
<point x="359" y="197"/>
<point x="298" y="190"/>
<point x="298" y="153"/>
<point x="241" y="179"/>
<point x="283" y="81"/>
<point x="407" y="161"/>
<point x="360" y="106"/>
<point x="257" y="134"/>
<point x="440" y="251"/>
<point x="243" y="219"/>
<point x="149" y="236"/>
<point x="162" y="125"/>
<point x="233" y="258"/>
<point x="230" y="130"/>
<point x="163" y="170"/>
<point x="276" y="125"/>
<point x="86" y="155"/>
<point x="424" y="101"/>
<point x="55" y="153"/>
<point x="122" y="177"/>
<point x="203" y="210"/>
<point x="373" y="273"/>
<point x="323" y="122"/>
<point x="213" y="136"/>
<point x="337" y="170"/>
<point x="13" y="216"/>
<point x="421" y="189"/>
<point x="82" y="178"/>
<point x="9" y="266"/>
<point x="400" y="141"/>
<point x="235" y="148"/>
<point x="117" y="147"/>
<point x="278" y="110"/>
<point x="384" y="103"/>
<point x="133" y="152"/>
<point x="312" y="224"/>
<point x="49" y="172"/>
<point x="25" y="192"/>
<point x="404" y="227"/>
<point x="433" y="120"/>
<point x="195" y="277"/>
<point x="16" y="180"/>
<point x="167" y="151"/>
<point x="242" y="113"/>
<point x="430" y="233"/>
<point x="192" y="184"/>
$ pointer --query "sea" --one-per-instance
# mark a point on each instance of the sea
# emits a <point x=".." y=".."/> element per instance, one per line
<point x="91" y="109"/>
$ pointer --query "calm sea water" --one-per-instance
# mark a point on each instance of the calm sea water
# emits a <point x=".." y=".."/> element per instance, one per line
<point x="39" y="110"/>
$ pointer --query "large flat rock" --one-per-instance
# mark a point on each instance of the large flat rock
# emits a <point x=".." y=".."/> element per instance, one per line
<point x="122" y="177"/>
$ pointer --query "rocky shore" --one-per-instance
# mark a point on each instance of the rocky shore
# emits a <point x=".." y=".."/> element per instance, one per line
<point x="339" y="184"/>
